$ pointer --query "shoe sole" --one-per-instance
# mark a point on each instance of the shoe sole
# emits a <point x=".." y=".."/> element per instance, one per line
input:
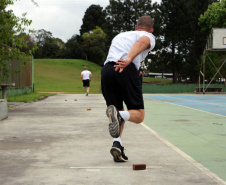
<point x="114" y="126"/>
<point x="117" y="155"/>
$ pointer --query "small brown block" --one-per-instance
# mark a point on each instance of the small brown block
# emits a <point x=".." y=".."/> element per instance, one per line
<point x="88" y="109"/>
<point x="75" y="99"/>
<point x="139" y="166"/>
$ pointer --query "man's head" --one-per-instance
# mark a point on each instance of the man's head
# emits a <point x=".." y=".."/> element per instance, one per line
<point x="145" y="23"/>
<point x="85" y="68"/>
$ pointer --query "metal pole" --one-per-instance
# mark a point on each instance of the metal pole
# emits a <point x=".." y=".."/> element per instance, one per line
<point x="204" y="61"/>
<point x="216" y="73"/>
<point x="32" y="74"/>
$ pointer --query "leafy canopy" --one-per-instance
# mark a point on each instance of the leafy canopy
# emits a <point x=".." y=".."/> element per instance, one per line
<point x="94" y="45"/>
<point x="11" y="39"/>
<point x="214" y="17"/>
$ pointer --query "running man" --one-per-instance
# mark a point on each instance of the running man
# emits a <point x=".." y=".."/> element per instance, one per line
<point x="120" y="80"/>
<point x="86" y="77"/>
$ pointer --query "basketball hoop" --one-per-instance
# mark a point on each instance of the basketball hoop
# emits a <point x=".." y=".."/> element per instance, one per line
<point x="216" y="42"/>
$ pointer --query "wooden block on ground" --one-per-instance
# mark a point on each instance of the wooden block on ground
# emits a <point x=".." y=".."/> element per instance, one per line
<point x="139" y="166"/>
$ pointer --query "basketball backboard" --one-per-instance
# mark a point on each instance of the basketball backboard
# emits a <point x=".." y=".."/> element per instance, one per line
<point x="217" y="40"/>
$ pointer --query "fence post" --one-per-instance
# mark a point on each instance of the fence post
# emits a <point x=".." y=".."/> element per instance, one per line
<point x="32" y="74"/>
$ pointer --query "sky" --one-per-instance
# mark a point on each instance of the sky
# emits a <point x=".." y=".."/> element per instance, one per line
<point x="63" y="18"/>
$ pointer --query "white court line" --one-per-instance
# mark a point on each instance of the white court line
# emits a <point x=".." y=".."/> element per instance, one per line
<point x="92" y="170"/>
<point x="187" y="107"/>
<point x="109" y="167"/>
<point x="100" y="167"/>
<point x="213" y="176"/>
<point x="193" y="100"/>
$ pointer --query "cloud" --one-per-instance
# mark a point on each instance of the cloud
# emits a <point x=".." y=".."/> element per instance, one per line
<point x="63" y="18"/>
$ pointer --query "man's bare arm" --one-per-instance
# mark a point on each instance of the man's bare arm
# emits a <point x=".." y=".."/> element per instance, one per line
<point x="90" y="77"/>
<point x="82" y="77"/>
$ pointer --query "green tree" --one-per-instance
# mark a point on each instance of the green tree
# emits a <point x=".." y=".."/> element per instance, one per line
<point x="157" y="63"/>
<point x="62" y="47"/>
<point x="182" y="40"/>
<point x="214" y="17"/>
<point x="198" y="38"/>
<point x="94" y="16"/>
<point x="122" y="15"/>
<point x="41" y="36"/>
<point x="48" y="46"/>
<point x="93" y="46"/>
<point x="29" y="42"/>
<point x="175" y="33"/>
<point x="73" y="47"/>
<point x="11" y="43"/>
<point x="52" y="48"/>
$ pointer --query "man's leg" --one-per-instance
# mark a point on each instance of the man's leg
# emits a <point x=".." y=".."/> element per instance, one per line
<point x="112" y="94"/>
<point x="117" y="150"/>
<point x="136" y="116"/>
<point x="122" y="127"/>
<point x="87" y="85"/>
<point x="121" y="130"/>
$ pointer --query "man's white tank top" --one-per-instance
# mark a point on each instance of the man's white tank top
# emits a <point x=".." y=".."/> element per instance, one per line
<point x="85" y="74"/>
<point x="122" y="43"/>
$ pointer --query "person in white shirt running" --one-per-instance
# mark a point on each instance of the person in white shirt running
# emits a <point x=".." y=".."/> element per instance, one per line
<point x="86" y="77"/>
<point x="120" y="80"/>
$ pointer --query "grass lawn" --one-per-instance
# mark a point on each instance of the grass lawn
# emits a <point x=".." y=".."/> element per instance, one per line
<point x="156" y="80"/>
<point x="64" y="75"/>
<point x="53" y="76"/>
<point x="27" y="97"/>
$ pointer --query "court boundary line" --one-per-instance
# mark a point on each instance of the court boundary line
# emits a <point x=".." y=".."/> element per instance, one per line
<point x="186" y="107"/>
<point x="197" y="109"/>
<point x="205" y="170"/>
<point x="111" y="167"/>
<point x="194" y="100"/>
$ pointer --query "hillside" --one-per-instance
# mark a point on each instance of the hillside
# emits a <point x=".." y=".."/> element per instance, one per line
<point x="64" y="75"/>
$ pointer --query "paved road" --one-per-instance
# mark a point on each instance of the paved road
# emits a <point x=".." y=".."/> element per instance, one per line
<point x="57" y="141"/>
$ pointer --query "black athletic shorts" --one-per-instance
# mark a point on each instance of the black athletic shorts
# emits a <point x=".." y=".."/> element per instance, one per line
<point x="118" y="87"/>
<point x="86" y="83"/>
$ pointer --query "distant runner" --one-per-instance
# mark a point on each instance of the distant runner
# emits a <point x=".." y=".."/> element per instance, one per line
<point x="86" y="77"/>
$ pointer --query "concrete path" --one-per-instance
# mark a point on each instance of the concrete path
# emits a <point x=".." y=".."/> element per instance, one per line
<point x="58" y="141"/>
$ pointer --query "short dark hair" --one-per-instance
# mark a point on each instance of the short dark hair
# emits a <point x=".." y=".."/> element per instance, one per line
<point x="145" y="22"/>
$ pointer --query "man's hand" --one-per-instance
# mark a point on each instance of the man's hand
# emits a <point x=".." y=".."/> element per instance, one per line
<point x="122" y="63"/>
